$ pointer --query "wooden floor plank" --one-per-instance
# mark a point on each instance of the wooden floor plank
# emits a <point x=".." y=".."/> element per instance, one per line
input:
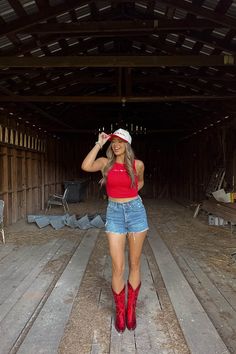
<point x="200" y="334"/>
<point x="22" y="268"/>
<point x="212" y="290"/>
<point x="221" y="323"/>
<point x="18" y="292"/>
<point x="17" y="319"/>
<point x="13" y="261"/>
<point x="105" y="306"/>
<point x="25" y="309"/>
<point x="32" y="308"/>
<point x="225" y="283"/>
<point x="147" y="308"/>
<point x="6" y="249"/>
<point x="214" y="302"/>
<point x="149" y="335"/>
<point x="47" y="330"/>
<point x="121" y="343"/>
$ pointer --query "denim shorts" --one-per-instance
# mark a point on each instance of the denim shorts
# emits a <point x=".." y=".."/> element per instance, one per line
<point x="122" y="218"/>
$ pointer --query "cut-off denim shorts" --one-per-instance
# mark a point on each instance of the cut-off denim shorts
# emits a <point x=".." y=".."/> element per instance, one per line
<point x="122" y="218"/>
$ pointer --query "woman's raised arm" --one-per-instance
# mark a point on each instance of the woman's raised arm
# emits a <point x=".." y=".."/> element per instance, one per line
<point x="91" y="163"/>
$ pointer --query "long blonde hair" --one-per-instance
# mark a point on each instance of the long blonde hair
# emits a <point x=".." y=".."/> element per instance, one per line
<point x="128" y="162"/>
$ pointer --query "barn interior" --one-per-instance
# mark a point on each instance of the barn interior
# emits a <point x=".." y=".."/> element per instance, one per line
<point x="165" y="71"/>
<point x="162" y="69"/>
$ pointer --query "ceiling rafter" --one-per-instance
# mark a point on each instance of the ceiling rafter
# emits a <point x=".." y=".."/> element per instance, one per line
<point x="185" y="77"/>
<point x="44" y="14"/>
<point x="93" y="9"/>
<point x="115" y="99"/>
<point x="223" y="6"/>
<point x="72" y="79"/>
<point x="42" y="4"/>
<point x="117" y="61"/>
<point x="205" y="36"/>
<point x="44" y="41"/>
<point x="102" y="28"/>
<point x="144" y="53"/>
<point x="81" y="78"/>
<point x="18" y="8"/>
<point x="36" y="109"/>
<point x="209" y="39"/>
<point x="200" y="11"/>
<point x="63" y="43"/>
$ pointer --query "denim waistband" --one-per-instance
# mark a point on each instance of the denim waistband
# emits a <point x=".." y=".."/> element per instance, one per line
<point x="125" y="203"/>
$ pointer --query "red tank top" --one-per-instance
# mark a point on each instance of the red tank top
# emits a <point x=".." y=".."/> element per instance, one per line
<point x="119" y="182"/>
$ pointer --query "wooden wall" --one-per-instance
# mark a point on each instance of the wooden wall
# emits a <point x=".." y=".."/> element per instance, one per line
<point x="196" y="158"/>
<point x="34" y="166"/>
<point x="21" y="181"/>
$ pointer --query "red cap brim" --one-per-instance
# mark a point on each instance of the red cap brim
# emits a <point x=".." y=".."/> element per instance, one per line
<point x="117" y="136"/>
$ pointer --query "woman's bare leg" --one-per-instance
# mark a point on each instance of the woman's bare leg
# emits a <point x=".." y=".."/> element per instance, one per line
<point x="136" y="241"/>
<point x="117" y="252"/>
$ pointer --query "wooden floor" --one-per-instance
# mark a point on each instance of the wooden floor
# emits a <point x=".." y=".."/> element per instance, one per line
<point x="55" y="291"/>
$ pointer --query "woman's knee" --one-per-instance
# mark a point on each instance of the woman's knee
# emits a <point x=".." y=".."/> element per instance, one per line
<point x="134" y="265"/>
<point x="118" y="269"/>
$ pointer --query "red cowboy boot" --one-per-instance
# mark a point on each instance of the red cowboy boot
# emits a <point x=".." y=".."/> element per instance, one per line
<point x="120" y="310"/>
<point x="131" y="305"/>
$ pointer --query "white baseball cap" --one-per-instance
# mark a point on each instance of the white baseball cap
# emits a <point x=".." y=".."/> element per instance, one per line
<point x="122" y="134"/>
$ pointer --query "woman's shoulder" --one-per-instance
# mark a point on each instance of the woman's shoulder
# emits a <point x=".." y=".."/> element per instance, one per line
<point x="104" y="160"/>
<point x="139" y="164"/>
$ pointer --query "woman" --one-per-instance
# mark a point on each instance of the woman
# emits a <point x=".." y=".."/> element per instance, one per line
<point x="126" y="215"/>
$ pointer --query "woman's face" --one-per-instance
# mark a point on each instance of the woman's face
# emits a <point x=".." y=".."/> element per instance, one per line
<point x="118" y="146"/>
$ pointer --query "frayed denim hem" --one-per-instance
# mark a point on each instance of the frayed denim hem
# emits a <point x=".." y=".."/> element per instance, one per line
<point x="115" y="233"/>
<point x="125" y="233"/>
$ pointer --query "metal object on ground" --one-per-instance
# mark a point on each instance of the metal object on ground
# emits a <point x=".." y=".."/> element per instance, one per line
<point x="58" y="199"/>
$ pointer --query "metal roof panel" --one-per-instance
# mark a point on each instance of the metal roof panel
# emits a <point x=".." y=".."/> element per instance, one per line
<point x="232" y="10"/>
<point x="7" y="13"/>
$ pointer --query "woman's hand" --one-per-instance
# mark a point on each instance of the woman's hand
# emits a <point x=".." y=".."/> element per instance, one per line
<point x="102" y="138"/>
<point x="91" y="163"/>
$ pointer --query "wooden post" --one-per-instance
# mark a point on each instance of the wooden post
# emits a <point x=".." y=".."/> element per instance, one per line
<point x="29" y="181"/>
<point x="4" y="176"/>
<point x="14" y="175"/>
<point x="42" y="181"/>
<point x="23" y="167"/>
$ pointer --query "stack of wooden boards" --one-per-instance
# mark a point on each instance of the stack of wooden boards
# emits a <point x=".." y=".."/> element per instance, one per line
<point x="226" y="211"/>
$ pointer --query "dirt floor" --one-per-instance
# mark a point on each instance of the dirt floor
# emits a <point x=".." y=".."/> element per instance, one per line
<point x="23" y="232"/>
<point x="210" y="246"/>
<point x="180" y="231"/>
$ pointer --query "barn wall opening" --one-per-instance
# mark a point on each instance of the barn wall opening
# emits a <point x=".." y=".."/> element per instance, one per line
<point x="33" y="166"/>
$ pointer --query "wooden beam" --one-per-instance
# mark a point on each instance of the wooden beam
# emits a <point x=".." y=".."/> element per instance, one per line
<point x="172" y="50"/>
<point x="89" y="131"/>
<point x="103" y="28"/>
<point x="138" y="78"/>
<point x="117" y="61"/>
<point x="36" y="109"/>
<point x="114" y="99"/>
